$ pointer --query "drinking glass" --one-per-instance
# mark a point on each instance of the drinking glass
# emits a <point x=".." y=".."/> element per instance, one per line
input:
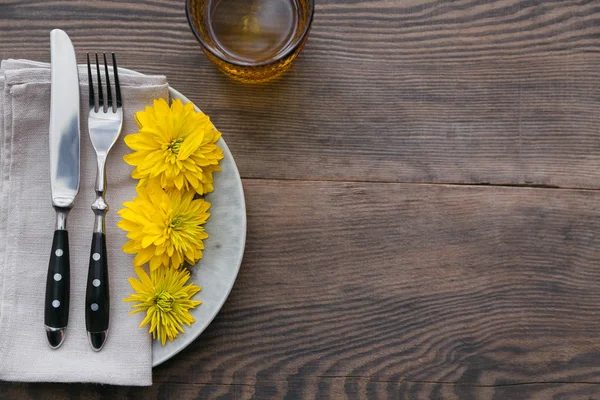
<point x="251" y="40"/>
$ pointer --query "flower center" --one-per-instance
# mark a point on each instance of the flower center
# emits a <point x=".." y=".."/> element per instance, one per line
<point x="175" y="223"/>
<point x="164" y="301"/>
<point x="175" y="145"/>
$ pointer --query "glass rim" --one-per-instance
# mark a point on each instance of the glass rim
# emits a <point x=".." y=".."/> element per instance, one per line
<point x="279" y="57"/>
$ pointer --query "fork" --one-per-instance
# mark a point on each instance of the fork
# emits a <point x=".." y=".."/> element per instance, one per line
<point x="105" y="121"/>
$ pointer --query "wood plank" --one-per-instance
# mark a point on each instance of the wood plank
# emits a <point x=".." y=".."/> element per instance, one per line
<point x="349" y="289"/>
<point x="468" y="91"/>
<point x="339" y="388"/>
<point x="474" y="286"/>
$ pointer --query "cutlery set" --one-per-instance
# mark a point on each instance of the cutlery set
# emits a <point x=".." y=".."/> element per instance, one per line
<point x="105" y="120"/>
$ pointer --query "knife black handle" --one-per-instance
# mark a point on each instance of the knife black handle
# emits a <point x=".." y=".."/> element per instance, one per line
<point x="97" y="301"/>
<point x="56" y="311"/>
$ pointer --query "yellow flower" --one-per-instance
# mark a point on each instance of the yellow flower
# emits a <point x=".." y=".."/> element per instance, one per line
<point x="164" y="228"/>
<point x="176" y="146"/>
<point x="165" y="299"/>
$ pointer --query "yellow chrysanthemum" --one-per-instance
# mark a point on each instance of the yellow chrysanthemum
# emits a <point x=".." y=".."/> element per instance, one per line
<point x="164" y="228"/>
<point x="166" y="300"/>
<point x="176" y="146"/>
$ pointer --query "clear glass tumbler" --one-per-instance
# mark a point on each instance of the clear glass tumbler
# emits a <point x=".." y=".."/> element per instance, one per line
<point x="251" y="40"/>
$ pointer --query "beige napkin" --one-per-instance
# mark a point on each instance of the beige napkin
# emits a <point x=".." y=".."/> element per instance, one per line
<point x="26" y="229"/>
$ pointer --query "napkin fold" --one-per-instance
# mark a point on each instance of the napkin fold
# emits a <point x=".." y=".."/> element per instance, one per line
<point x="27" y="225"/>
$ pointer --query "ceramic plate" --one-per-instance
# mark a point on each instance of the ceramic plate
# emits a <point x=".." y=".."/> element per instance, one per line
<point x="217" y="270"/>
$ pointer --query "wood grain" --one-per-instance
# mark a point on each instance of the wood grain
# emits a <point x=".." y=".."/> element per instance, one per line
<point x="420" y="283"/>
<point x="338" y="388"/>
<point x="466" y="91"/>
<point x="356" y="290"/>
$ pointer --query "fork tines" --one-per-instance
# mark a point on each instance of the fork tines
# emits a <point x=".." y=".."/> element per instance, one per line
<point x="105" y="106"/>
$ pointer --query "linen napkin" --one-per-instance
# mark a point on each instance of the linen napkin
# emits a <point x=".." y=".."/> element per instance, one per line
<point x="26" y="229"/>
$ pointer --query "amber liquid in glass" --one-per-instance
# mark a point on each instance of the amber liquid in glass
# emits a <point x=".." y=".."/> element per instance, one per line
<point x="253" y="31"/>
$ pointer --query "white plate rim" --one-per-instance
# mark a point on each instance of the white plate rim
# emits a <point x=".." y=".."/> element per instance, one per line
<point x="198" y="327"/>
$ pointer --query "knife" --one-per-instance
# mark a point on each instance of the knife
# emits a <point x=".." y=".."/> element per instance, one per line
<point x="64" y="179"/>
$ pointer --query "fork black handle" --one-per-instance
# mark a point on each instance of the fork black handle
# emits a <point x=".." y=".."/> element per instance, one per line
<point x="97" y="300"/>
<point x="56" y="309"/>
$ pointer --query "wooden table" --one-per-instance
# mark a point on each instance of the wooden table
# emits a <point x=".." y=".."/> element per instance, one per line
<point x="422" y="191"/>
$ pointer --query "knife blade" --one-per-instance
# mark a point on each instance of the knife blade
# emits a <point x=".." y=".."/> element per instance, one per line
<point x="64" y="138"/>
